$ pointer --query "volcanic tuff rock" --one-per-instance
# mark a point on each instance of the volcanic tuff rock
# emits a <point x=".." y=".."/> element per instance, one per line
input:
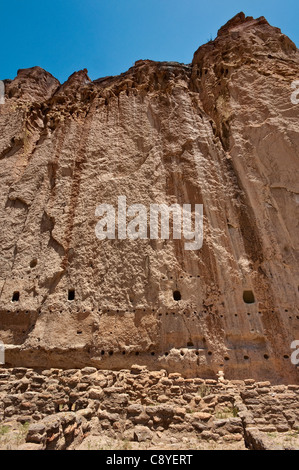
<point x="221" y="132"/>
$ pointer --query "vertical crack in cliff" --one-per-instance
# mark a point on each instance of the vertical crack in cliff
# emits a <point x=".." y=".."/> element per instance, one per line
<point x="76" y="181"/>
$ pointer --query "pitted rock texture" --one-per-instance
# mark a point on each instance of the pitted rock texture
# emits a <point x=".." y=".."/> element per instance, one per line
<point x="221" y="132"/>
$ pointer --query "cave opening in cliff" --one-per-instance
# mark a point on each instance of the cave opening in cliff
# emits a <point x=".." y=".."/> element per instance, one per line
<point x="16" y="297"/>
<point x="248" y="297"/>
<point x="177" y="296"/>
<point x="33" y="263"/>
<point x="71" y="295"/>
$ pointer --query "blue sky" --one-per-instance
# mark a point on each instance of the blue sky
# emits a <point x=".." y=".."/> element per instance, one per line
<point x="108" y="36"/>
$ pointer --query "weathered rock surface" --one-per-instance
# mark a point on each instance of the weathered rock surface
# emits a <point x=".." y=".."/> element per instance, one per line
<point x="221" y="132"/>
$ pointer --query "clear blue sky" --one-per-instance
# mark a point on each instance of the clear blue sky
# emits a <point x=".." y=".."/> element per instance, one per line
<point x="108" y="36"/>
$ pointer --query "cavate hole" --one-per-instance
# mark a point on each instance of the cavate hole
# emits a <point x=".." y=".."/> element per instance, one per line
<point x="266" y="356"/>
<point x="177" y="296"/>
<point x="33" y="263"/>
<point x="79" y="332"/>
<point x="71" y="295"/>
<point x="248" y="297"/>
<point x="16" y="297"/>
<point x="190" y="344"/>
<point x="246" y="358"/>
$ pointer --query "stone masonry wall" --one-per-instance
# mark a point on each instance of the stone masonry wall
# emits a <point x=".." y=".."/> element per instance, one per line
<point x="64" y="407"/>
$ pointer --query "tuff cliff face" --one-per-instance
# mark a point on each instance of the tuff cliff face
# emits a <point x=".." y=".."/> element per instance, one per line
<point x="221" y="132"/>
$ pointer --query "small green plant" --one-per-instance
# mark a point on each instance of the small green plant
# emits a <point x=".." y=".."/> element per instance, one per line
<point x="204" y="391"/>
<point x="4" y="430"/>
<point x="25" y="427"/>
<point x="127" y="445"/>
<point x="227" y="413"/>
<point x="22" y="433"/>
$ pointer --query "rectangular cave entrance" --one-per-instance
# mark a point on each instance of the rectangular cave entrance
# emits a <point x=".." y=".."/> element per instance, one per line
<point x="71" y="295"/>
<point x="248" y="297"/>
<point x="16" y="297"/>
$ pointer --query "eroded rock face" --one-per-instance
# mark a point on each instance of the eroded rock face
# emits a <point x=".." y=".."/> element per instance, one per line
<point x="221" y="132"/>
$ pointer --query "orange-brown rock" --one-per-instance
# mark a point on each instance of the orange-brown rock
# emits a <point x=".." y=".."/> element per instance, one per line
<point x="221" y="132"/>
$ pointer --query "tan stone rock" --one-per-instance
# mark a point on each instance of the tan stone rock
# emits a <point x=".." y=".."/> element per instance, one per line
<point x="142" y="433"/>
<point x="201" y="416"/>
